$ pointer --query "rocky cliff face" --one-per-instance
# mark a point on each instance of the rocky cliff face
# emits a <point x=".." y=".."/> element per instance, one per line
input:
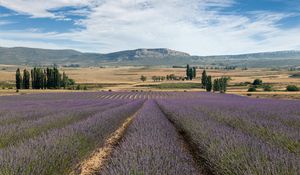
<point x="158" y="53"/>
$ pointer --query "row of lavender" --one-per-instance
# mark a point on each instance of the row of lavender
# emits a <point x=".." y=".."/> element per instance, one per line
<point x="102" y="95"/>
<point x="50" y="135"/>
<point x="237" y="135"/>
<point x="150" y="146"/>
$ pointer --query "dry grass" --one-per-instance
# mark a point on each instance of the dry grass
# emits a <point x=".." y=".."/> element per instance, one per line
<point x="128" y="78"/>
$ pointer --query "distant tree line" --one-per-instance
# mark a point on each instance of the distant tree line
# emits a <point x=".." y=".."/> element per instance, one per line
<point x="158" y="78"/>
<point x="228" y="67"/>
<point x="39" y="78"/>
<point x="167" y="77"/>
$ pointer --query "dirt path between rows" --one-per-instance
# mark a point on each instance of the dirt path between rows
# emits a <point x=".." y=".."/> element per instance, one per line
<point x="190" y="147"/>
<point x="97" y="159"/>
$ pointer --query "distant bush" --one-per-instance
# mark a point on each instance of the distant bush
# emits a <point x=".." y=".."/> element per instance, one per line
<point x="297" y="75"/>
<point x="268" y="88"/>
<point x="252" y="89"/>
<point x="257" y="82"/>
<point x="246" y="83"/>
<point x="143" y="78"/>
<point x="292" y="88"/>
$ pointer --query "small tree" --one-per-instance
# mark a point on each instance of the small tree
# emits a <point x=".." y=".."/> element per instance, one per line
<point x="257" y="82"/>
<point x="216" y="85"/>
<point x="18" y="79"/>
<point x="252" y="89"/>
<point x="220" y="84"/>
<point x="204" y="79"/>
<point x="267" y="88"/>
<point x="209" y="84"/>
<point x="154" y="78"/>
<point x="292" y="88"/>
<point x="224" y="84"/>
<point x="143" y="78"/>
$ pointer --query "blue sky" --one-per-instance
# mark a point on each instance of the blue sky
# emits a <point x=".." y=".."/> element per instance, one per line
<point x="200" y="27"/>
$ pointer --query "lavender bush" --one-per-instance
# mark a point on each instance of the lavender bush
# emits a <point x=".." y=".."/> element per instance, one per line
<point x="151" y="146"/>
<point x="239" y="135"/>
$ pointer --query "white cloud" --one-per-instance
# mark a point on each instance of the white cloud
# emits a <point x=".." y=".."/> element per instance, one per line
<point x="38" y="8"/>
<point x="195" y="26"/>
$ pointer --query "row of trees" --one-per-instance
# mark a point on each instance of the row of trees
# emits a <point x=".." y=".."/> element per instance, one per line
<point x="167" y="77"/>
<point x="49" y="78"/>
<point x="190" y="72"/>
<point x="219" y="84"/>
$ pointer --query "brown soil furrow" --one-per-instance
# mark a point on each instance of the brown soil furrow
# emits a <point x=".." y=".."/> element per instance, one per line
<point x="97" y="159"/>
<point x="198" y="160"/>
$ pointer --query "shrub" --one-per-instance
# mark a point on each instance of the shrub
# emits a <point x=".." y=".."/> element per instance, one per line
<point x="268" y="88"/>
<point x="292" y="88"/>
<point x="252" y="89"/>
<point x="257" y="82"/>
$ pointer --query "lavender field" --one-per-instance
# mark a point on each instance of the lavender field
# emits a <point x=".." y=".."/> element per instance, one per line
<point x="171" y="133"/>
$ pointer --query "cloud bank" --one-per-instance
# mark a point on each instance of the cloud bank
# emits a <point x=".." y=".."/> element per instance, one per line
<point x="200" y="27"/>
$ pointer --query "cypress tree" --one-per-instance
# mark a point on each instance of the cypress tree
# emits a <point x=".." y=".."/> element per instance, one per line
<point x="188" y="71"/>
<point x="209" y="84"/>
<point x="204" y="79"/>
<point x="194" y="72"/>
<point x="48" y="78"/>
<point x="33" y="78"/>
<point x="26" y="79"/>
<point x="18" y="79"/>
<point x="45" y="79"/>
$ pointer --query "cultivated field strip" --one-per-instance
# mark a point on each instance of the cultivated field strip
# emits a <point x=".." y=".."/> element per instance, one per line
<point x="236" y="143"/>
<point x="15" y="133"/>
<point x="150" y="146"/>
<point x="15" y="116"/>
<point x="51" y="97"/>
<point x="173" y="133"/>
<point x="55" y="152"/>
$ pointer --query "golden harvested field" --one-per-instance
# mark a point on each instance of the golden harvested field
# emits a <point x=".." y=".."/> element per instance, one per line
<point x="128" y="78"/>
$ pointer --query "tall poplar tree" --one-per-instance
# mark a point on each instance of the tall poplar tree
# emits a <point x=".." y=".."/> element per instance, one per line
<point x="18" y="79"/>
<point x="26" y="79"/>
<point x="194" y="72"/>
<point x="188" y="71"/>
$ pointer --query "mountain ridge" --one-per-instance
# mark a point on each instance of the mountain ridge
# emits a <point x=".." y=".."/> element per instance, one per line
<point x="141" y="56"/>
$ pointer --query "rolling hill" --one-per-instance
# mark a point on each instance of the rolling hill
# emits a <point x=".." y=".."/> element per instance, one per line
<point x="138" y="57"/>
